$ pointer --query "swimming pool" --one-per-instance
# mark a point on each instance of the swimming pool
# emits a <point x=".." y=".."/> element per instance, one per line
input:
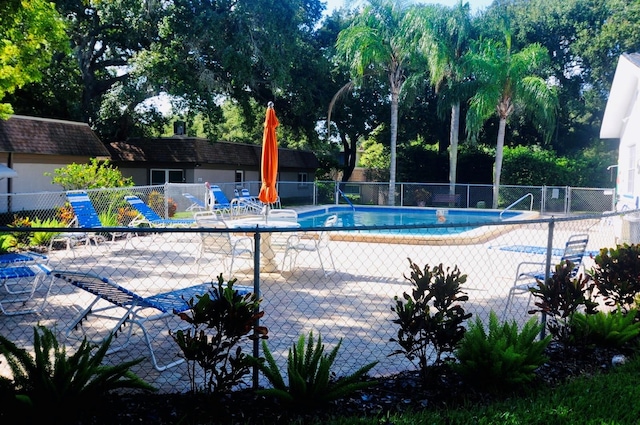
<point x="424" y="225"/>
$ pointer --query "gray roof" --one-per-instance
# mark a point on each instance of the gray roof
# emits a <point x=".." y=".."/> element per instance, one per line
<point x="193" y="150"/>
<point x="634" y="58"/>
<point x="20" y="134"/>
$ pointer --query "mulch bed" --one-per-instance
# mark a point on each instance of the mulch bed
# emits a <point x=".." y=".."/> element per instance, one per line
<point x="391" y="394"/>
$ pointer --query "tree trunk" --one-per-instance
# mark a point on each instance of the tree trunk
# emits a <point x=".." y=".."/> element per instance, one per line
<point x="349" y="157"/>
<point x="394" y="139"/>
<point x="453" y="147"/>
<point x="498" y="165"/>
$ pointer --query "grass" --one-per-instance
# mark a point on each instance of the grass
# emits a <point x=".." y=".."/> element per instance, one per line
<point x="609" y="398"/>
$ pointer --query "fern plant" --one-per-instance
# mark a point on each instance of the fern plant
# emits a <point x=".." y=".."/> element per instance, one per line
<point x="503" y="355"/>
<point x="309" y="374"/>
<point x="42" y="238"/>
<point x="611" y="329"/>
<point x="51" y="383"/>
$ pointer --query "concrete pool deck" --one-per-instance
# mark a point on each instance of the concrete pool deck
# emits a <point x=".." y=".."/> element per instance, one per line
<point x="353" y="302"/>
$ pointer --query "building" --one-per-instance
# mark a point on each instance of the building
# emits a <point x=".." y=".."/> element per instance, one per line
<point x="622" y="121"/>
<point x="35" y="147"/>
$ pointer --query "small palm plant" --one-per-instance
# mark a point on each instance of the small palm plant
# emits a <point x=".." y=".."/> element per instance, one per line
<point x="309" y="374"/>
<point x="58" y="387"/>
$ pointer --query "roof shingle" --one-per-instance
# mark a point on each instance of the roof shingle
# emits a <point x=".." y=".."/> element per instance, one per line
<point x="21" y="134"/>
<point x="192" y="150"/>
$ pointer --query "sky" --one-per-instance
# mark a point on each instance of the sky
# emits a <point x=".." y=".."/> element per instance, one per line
<point x="476" y="5"/>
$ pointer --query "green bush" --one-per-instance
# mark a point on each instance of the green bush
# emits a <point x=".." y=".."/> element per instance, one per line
<point x="611" y="329"/>
<point x="534" y="166"/>
<point x="43" y="238"/>
<point x="431" y="315"/>
<point x="309" y="374"/>
<point x="52" y="386"/>
<point x="94" y="175"/>
<point x="560" y="297"/>
<point x="617" y="275"/>
<point x="219" y="322"/>
<point x="504" y="355"/>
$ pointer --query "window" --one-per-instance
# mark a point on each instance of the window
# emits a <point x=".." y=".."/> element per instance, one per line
<point x="239" y="178"/>
<point x="166" y="176"/>
<point x="302" y="179"/>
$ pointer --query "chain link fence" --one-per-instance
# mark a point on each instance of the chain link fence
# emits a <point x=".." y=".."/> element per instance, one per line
<point x="344" y="291"/>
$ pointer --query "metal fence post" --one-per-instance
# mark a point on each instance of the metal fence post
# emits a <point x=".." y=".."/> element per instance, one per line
<point x="256" y="291"/>
<point x="547" y="271"/>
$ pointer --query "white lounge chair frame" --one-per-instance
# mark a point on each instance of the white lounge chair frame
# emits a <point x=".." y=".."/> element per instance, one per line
<point x="128" y="308"/>
<point x="529" y="273"/>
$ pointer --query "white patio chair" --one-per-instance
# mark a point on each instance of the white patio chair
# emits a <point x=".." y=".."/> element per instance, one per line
<point x="223" y="244"/>
<point x="318" y="243"/>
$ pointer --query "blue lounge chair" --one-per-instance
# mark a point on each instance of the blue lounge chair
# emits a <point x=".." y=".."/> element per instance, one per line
<point x="20" y="274"/>
<point x="249" y="203"/>
<point x="150" y="218"/>
<point x="218" y="202"/>
<point x="85" y="217"/>
<point x="126" y="307"/>
<point x="196" y="203"/>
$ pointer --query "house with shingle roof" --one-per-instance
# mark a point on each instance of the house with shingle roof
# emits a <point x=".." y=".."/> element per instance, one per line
<point x="183" y="159"/>
<point x="34" y="146"/>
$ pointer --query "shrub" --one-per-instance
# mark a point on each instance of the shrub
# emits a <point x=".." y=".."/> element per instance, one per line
<point x="611" y="329"/>
<point x="95" y="175"/>
<point x="52" y="385"/>
<point x="219" y="322"/>
<point x="41" y="238"/>
<point x="309" y="373"/>
<point x="156" y="203"/>
<point x="560" y="297"/>
<point x="617" y="275"/>
<point x="430" y="316"/>
<point x="504" y="355"/>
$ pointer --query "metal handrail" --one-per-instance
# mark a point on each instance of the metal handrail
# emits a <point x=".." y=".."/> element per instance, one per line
<point x="516" y="202"/>
<point x="346" y="199"/>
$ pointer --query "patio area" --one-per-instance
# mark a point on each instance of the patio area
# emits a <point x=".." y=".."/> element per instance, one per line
<point x="352" y="302"/>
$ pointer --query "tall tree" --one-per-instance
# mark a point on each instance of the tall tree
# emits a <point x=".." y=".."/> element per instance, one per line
<point x="213" y="49"/>
<point x="508" y="84"/>
<point x="105" y="36"/>
<point x="377" y="43"/>
<point x="445" y="37"/>
<point x="30" y="32"/>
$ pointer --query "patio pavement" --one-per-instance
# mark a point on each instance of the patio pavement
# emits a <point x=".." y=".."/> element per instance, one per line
<point x="353" y="302"/>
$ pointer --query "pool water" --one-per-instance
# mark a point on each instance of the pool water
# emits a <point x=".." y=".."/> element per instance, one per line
<point x="390" y="216"/>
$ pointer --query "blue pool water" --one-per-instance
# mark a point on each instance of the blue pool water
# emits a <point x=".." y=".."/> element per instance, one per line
<point x="390" y="216"/>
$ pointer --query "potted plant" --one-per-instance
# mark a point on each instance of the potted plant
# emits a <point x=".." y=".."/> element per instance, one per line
<point x="421" y="196"/>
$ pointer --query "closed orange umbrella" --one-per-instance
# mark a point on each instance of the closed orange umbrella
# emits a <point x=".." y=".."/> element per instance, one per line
<point x="269" y="167"/>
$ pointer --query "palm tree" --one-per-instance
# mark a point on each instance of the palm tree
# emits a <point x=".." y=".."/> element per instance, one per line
<point x="376" y="43"/>
<point x="509" y="83"/>
<point x="445" y="37"/>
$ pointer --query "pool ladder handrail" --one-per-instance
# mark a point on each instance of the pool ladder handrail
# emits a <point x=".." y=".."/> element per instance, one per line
<point x="340" y="192"/>
<point x="517" y="202"/>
